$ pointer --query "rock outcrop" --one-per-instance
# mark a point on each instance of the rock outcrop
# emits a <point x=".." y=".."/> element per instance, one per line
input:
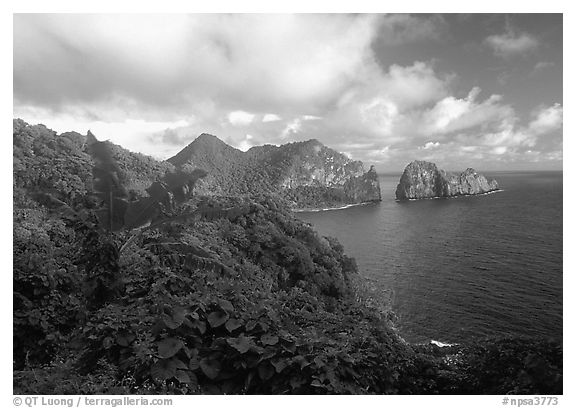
<point x="365" y="187"/>
<point x="423" y="179"/>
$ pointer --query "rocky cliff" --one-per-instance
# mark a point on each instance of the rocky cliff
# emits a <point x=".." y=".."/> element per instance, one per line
<point x="308" y="174"/>
<point x="423" y="179"/>
<point x="365" y="187"/>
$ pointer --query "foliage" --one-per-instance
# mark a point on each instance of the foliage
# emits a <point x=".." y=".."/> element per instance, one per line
<point x="513" y="366"/>
<point x="317" y="172"/>
<point x="216" y="295"/>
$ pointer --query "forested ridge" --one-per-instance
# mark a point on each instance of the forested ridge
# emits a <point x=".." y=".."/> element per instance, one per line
<point x="127" y="279"/>
<point x="307" y="174"/>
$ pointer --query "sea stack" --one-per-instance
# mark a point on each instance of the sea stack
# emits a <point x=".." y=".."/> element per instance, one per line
<point x="423" y="179"/>
<point x="364" y="188"/>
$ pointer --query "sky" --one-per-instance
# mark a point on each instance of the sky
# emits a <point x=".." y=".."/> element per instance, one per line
<point x="461" y="90"/>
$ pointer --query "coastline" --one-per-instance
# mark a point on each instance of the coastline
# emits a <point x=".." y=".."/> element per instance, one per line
<point x="301" y="210"/>
<point x="455" y="196"/>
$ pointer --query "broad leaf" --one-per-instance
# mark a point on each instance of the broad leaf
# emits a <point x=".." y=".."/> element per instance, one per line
<point x="269" y="339"/>
<point x="265" y="371"/>
<point x="163" y="369"/>
<point x="169" y="347"/>
<point x="269" y="352"/>
<point x="187" y="378"/>
<point x="211" y="368"/>
<point x="107" y="342"/>
<point x="217" y="318"/>
<point x="279" y="365"/>
<point x="183" y="376"/>
<point x="226" y="305"/>
<point x="241" y="343"/>
<point x="175" y="319"/>
<point x="232" y="325"/>
<point x="200" y="325"/>
<point x="319" y="362"/>
<point x="179" y="364"/>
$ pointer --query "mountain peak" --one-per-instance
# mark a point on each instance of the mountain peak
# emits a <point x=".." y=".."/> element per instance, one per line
<point x="208" y="138"/>
<point x="202" y="150"/>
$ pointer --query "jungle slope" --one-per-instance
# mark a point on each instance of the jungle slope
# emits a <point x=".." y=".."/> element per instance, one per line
<point x="307" y="174"/>
<point x="250" y="301"/>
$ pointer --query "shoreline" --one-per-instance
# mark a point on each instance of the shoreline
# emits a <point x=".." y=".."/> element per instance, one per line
<point x="455" y="196"/>
<point x="300" y="210"/>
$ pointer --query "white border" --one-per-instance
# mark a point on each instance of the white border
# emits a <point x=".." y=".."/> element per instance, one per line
<point x="178" y="6"/>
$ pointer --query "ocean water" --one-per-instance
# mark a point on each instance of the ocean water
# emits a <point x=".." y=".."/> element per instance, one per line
<point x="462" y="268"/>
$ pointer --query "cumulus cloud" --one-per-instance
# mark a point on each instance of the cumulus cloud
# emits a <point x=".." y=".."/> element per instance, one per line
<point x="451" y="114"/>
<point x="547" y="119"/>
<point x="291" y="128"/>
<point x="240" y="118"/>
<point x="311" y="117"/>
<point x="414" y="85"/>
<point x="512" y="44"/>
<point x="430" y="145"/>
<point x="154" y="82"/>
<point x="380" y="108"/>
<point x="270" y="117"/>
<point x="252" y="61"/>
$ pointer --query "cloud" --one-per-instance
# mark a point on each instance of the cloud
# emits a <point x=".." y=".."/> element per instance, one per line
<point x="505" y="133"/>
<point x="413" y="85"/>
<point x="430" y="145"/>
<point x="547" y="120"/>
<point x="246" y="62"/>
<point x="271" y="117"/>
<point x="542" y="65"/>
<point x="246" y="144"/>
<point x="499" y="150"/>
<point x="379" y="107"/>
<point x="543" y="131"/>
<point x="512" y="44"/>
<point x="451" y="114"/>
<point x="399" y="29"/>
<point x="291" y="128"/>
<point x="240" y="118"/>
<point x="154" y="82"/>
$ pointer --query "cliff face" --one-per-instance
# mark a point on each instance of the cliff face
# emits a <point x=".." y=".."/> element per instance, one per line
<point x="365" y="187"/>
<point x="424" y="180"/>
<point x="311" y="163"/>
<point x="308" y="174"/>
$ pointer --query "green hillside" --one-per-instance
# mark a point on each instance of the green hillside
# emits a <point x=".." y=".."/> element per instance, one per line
<point x="127" y="280"/>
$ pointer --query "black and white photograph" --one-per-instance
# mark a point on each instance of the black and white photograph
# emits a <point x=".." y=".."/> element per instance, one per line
<point x="287" y="204"/>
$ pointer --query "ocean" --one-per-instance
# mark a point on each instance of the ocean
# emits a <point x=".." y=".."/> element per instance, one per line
<point x="459" y="269"/>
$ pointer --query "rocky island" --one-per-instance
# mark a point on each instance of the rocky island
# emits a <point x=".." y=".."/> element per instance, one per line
<point x="423" y="179"/>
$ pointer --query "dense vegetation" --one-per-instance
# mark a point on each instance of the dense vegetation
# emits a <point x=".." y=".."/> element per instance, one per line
<point x="126" y="281"/>
<point x="317" y="172"/>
